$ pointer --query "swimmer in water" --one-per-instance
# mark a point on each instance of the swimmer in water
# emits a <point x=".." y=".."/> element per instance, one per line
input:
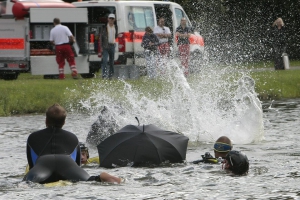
<point x="221" y="147"/>
<point x="236" y="162"/>
<point x="53" y="153"/>
<point x="85" y="156"/>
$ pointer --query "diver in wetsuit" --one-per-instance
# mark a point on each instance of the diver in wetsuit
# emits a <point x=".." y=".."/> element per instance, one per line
<point x="85" y="155"/>
<point x="222" y="146"/>
<point x="53" y="154"/>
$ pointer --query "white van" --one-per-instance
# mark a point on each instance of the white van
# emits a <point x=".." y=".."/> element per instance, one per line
<point x="131" y="19"/>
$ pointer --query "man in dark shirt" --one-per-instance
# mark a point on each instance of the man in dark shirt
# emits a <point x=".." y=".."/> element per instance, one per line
<point x="53" y="154"/>
<point x="183" y="33"/>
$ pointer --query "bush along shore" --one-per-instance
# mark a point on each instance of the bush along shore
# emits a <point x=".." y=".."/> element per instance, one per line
<point x="33" y="94"/>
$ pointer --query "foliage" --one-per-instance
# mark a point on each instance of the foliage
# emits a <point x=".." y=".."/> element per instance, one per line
<point x="237" y="30"/>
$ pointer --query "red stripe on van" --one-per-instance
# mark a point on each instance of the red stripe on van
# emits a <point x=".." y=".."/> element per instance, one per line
<point x="194" y="39"/>
<point x="125" y="37"/>
<point x="122" y="39"/>
<point x="12" y="43"/>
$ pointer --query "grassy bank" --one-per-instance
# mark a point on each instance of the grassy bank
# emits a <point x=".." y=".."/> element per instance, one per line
<point x="277" y="84"/>
<point x="33" y="94"/>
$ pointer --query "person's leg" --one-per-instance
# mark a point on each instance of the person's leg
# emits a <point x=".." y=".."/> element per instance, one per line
<point x="281" y="65"/>
<point x="60" y="59"/>
<point x="42" y="171"/>
<point x="71" y="60"/>
<point x="167" y="49"/>
<point x="67" y="169"/>
<point x="111" y="60"/>
<point x="152" y="63"/>
<point x="104" y="63"/>
<point x="185" y="58"/>
<point x="164" y="49"/>
<point x="277" y="57"/>
<point x="148" y="62"/>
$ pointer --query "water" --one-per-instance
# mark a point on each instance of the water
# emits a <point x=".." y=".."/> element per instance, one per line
<point x="207" y="106"/>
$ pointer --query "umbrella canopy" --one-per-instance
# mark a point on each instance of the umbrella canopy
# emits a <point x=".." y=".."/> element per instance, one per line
<point x="142" y="145"/>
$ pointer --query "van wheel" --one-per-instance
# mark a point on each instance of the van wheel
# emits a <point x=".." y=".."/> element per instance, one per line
<point x="89" y="75"/>
<point x="10" y="76"/>
<point x="55" y="76"/>
<point x="196" y="61"/>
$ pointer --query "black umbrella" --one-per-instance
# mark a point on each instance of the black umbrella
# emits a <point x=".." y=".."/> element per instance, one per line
<point x="142" y="145"/>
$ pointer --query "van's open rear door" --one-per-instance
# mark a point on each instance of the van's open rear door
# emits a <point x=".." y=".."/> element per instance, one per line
<point x="13" y="39"/>
<point x="70" y="16"/>
<point x="66" y="15"/>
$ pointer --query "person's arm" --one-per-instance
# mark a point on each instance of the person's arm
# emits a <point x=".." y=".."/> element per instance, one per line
<point x="70" y="35"/>
<point x="51" y="38"/>
<point x="72" y="39"/>
<point x="105" y="177"/>
<point x="168" y="33"/>
<point x="29" y="157"/>
<point x="78" y="155"/>
<point x="183" y="35"/>
<point x="156" y="40"/>
<point x="116" y="35"/>
<point x="144" y="42"/>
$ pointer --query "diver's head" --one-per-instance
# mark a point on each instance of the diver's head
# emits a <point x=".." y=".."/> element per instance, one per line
<point x="55" y="116"/>
<point x="237" y="162"/>
<point x="84" y="153"/>
<point x="222" y="146"/>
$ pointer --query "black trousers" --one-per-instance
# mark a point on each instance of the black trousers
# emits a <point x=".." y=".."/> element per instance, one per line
<point x="278" y="59"/>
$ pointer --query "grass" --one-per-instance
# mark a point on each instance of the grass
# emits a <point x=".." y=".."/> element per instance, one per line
<point x="277" y="84"/>
<point x="33" y="94"/>
<point x="268" y="64"/>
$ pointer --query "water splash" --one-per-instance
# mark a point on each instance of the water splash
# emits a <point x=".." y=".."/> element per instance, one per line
<point x="214" y="102"/>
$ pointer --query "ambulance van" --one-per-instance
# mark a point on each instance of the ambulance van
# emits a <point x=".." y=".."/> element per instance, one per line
<point x="24" y="37"/>
<point x="131" y="19"/>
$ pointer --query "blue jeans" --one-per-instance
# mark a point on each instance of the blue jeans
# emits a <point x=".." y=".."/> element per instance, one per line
<point x="150" y="63"/>
<point x="108" y="53"/>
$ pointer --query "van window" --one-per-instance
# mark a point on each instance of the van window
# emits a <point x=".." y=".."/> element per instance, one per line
<point x="100" y="14"/>
<point x="180" y="14"/>
<point x="140" y="17"/>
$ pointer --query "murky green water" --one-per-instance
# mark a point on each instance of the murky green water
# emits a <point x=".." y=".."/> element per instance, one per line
<point x="274" y="165"/>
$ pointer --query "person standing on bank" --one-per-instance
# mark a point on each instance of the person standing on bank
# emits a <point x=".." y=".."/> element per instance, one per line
<point x="107" y="41"/>
<point x="62" y="38"/>
<point x="278" y="36"/>
<point x="183" y="33"/>
<point x="163" y="33"/>
<point x="149" y="43"/>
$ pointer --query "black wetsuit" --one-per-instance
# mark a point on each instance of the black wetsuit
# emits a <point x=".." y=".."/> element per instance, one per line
<point x="54" y="154"/>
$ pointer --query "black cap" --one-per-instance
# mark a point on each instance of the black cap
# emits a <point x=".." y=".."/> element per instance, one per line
<point x="239" y="163"/>
<point x="82" y="146"/>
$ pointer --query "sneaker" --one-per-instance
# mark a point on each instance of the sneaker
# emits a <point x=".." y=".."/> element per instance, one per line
<point x="62" y="76"/>
<point x="74" y="75"/>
